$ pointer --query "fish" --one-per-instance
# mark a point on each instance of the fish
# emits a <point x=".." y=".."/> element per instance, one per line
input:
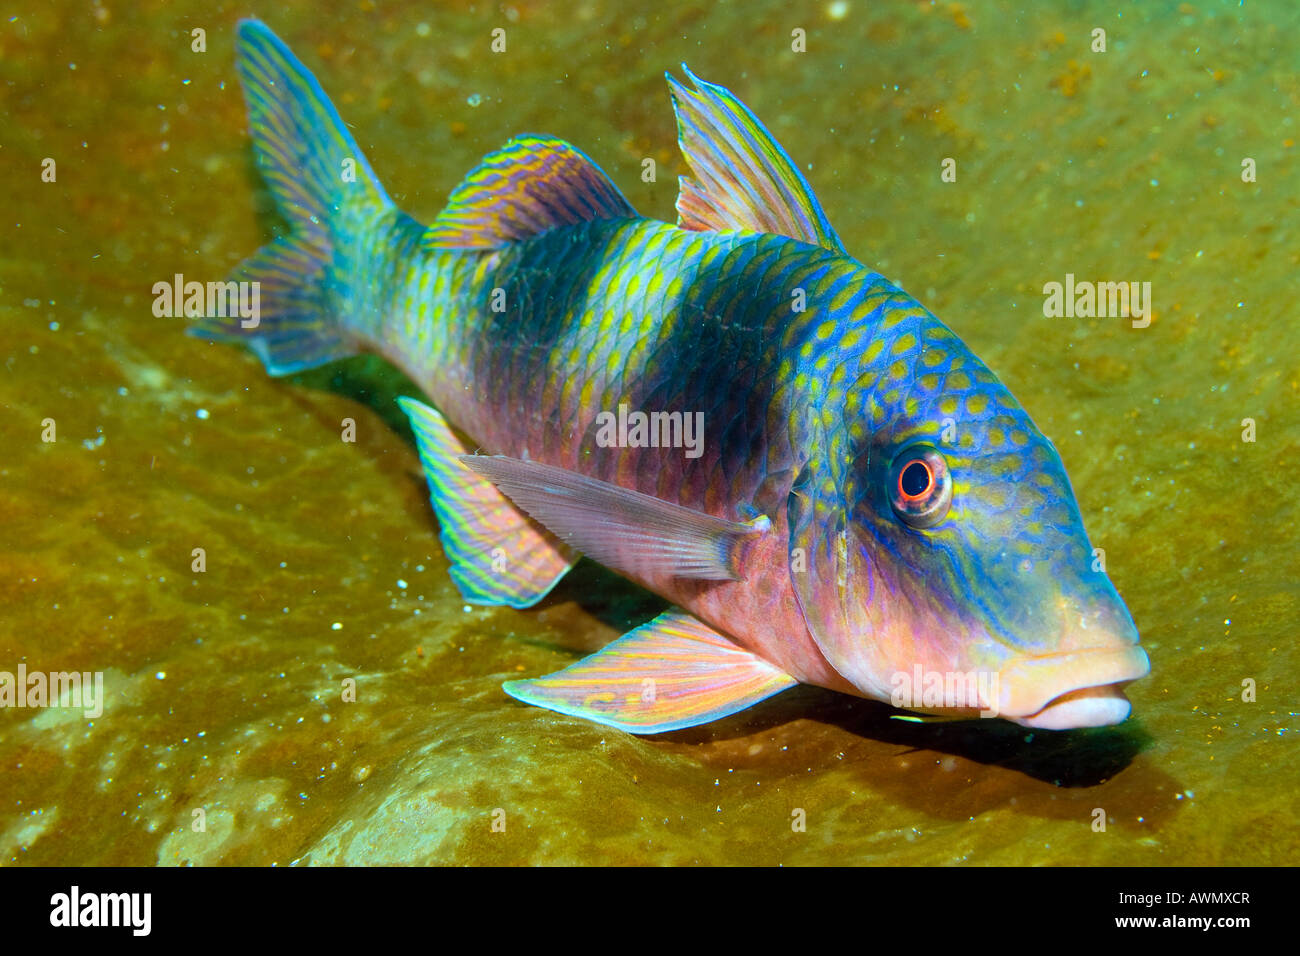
<point x="862" y="505"/>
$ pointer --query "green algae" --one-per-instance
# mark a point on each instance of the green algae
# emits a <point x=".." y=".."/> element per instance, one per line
<point x="226" y="688"/>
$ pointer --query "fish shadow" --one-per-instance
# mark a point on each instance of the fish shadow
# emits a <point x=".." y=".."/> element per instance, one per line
<point x="954" y="770"/>
<point x="370" y="381"/>
<point x="1071" y="758"/>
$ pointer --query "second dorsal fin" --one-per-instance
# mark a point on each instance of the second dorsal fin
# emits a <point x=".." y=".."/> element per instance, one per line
<point x="743" y="178"/>
<point x="529" y="185"/>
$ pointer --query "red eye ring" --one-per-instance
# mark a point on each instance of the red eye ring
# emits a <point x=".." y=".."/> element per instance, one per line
<point x="907" y="476"/>
<point x="920" y="486"/>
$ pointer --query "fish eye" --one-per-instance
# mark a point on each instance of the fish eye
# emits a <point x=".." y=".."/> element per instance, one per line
<point x="920" y="487"/>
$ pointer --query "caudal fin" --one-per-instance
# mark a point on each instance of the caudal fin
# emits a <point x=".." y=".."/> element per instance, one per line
<point x="324" y="189"/>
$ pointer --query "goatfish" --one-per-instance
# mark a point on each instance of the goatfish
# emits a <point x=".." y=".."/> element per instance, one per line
<point x="731" y="411"/>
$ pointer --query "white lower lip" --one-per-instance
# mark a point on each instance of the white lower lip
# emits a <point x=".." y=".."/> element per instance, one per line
<point x="1091" y="707"/>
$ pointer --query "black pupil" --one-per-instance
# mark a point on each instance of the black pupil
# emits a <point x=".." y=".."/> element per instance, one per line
<point x="915" y="479"/>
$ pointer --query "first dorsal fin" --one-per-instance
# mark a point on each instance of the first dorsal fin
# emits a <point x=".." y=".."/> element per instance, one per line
<point x="743" y="178"/>
<point x="529" y="185"/>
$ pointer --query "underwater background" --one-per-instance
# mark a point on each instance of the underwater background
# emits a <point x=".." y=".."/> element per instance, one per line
<point x="224" y="688"/>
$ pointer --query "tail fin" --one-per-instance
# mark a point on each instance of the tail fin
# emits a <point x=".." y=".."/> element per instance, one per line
<point x="323" y="187"/>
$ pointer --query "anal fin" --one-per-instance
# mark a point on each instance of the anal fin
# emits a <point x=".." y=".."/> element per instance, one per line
<point x="671" y="673"/>
<point x="498" y="555"/>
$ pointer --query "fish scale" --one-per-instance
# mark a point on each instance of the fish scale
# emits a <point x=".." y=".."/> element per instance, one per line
<point x="869" y="506"/>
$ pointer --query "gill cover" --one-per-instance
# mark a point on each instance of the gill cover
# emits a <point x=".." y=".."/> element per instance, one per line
<point x="832" y="589"/>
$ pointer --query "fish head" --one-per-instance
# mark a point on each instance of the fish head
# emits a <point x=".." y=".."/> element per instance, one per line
<point x="937" y="548"/>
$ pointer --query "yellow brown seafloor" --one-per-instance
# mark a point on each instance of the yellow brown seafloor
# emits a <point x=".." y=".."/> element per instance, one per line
<point x="224" y="688"/>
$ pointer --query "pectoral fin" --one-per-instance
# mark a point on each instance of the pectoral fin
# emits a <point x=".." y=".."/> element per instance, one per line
<point x="671" y="673"/>
<point x="497" y="555"/>
<point x="622" y="529"/>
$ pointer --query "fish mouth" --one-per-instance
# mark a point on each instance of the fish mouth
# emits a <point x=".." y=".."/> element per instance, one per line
<point x="1071" y="689"/>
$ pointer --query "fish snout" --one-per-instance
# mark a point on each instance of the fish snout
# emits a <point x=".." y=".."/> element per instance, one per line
<point x="1075" y="688"/>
